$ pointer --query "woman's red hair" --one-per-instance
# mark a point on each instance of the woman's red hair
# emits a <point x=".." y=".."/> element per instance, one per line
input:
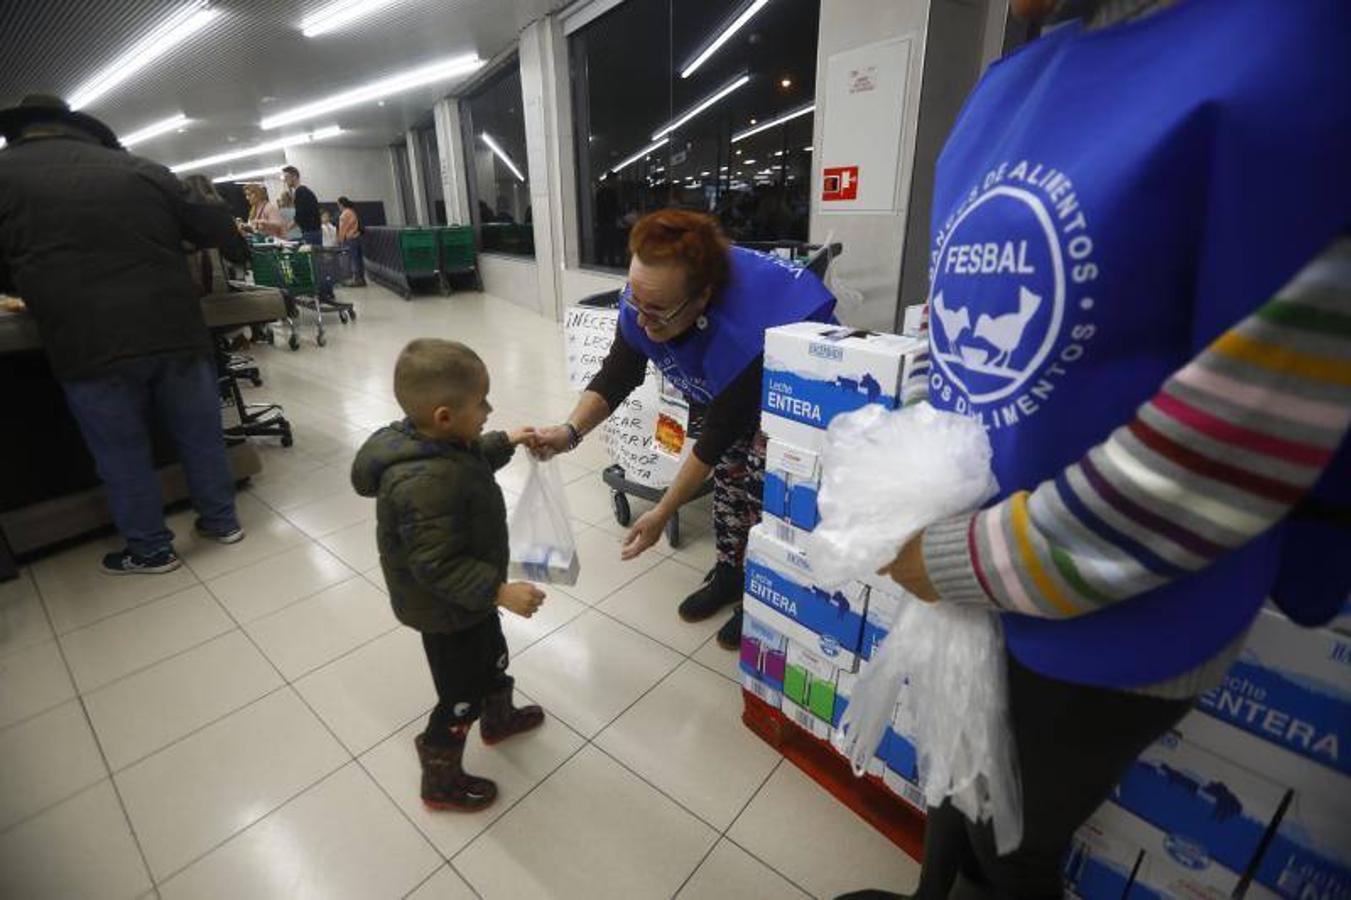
<point x="692" y="240"/>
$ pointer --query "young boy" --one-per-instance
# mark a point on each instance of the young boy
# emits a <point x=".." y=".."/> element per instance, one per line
<point x="441" y="525"/>
<point x="330" y="231"/>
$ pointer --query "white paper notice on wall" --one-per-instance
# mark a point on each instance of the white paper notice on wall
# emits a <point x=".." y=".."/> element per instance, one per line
<point x="865" y="107"/>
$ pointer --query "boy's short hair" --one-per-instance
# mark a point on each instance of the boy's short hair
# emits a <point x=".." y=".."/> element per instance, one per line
<point x="432" y="372"/>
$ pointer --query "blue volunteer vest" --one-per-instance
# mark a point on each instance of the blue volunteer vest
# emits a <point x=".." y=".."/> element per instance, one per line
<point x="762" y="291"/>
<point x="1109" y="202"/>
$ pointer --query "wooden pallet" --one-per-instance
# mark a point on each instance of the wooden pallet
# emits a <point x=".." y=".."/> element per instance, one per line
<point x="883" y="810"/>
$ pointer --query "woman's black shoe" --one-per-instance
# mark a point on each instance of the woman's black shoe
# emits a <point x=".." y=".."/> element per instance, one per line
<point x="722" y="587"/>
<point x="729" y="635"/>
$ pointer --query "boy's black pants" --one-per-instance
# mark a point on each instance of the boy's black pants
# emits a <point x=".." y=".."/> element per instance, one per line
<point x="466" y="667"/>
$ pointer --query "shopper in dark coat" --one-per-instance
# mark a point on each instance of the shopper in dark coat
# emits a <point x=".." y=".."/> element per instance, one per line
<point x="91" y="237"/>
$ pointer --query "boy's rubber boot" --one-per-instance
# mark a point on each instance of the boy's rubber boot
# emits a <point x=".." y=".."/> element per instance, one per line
<point x="501" y="720"/>
<point x="445" y="783"/>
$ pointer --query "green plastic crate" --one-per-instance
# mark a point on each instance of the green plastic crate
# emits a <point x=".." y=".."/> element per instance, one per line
<point x="299" y="271"/>
<point x="457" y="247"/>
<point x="419" y="249"/>
<point x="266" y="265"/>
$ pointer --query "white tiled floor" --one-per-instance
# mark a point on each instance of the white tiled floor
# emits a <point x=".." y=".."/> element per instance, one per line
<point x="244" y="726"/>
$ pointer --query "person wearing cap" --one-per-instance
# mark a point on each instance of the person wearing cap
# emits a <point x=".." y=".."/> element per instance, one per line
<point x="91" y="237"/>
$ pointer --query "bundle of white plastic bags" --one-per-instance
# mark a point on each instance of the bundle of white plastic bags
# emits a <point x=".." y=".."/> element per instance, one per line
<point x="941" y="672"/>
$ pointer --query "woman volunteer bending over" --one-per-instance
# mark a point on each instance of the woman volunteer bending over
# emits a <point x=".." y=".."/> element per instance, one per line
<point x="698" y="308"/>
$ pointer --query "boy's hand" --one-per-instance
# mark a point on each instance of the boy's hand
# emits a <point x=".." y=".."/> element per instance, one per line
<point x="521" y="436"/>
<point x="521" y="597"/>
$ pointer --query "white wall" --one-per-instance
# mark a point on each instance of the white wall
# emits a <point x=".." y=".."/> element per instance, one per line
<point x="356" y="172"/>
<point x="947" y="38"/>
<point x="513" y="278"/>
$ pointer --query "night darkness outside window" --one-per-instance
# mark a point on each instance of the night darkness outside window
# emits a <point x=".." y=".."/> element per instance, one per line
<point x="733" y="137"/>
<point x="493" y="120"/>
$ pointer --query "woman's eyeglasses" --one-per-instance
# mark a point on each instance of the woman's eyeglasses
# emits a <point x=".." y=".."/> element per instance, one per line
<point x="626" y="298"/>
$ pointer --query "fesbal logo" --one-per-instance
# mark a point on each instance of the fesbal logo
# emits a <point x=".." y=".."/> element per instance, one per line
<point x="1011" y="299"/>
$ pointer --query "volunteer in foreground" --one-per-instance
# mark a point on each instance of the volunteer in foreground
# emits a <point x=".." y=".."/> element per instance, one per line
<point x="1161" y="354"/>
<point x="698" y="308"/>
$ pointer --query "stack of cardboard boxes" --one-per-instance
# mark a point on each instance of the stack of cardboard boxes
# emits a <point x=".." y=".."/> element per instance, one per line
<point x="1249" y="796"/>
<point x="803" y="646"/>
<point x="1251" y="793"/>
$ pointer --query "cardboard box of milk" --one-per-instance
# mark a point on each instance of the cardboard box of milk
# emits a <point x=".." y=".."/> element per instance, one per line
<point x="1172" y="866"/>
<point x="1201" y="799"/>
<point x="1309" y="854"/>
<point x="779" y="578"/>
<point x="1100" y="865"/>
<point x="792" y="481"/>
<point x="1290" y="686"/>
<point x="814" y="372"/>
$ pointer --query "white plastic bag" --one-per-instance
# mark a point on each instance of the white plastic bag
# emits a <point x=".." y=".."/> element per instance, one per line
<point x="885" y="475"/>
<point x="940" y="672"/>
<point x="543" y="548"/>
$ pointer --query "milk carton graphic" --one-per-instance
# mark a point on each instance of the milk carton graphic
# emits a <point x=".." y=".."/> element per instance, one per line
<point x="764" y="653"/>
<point x="792" y="480"/>
<point x="884" y="602"/>
<point x="1290" y="686"/>
<point x="814" y="372"/>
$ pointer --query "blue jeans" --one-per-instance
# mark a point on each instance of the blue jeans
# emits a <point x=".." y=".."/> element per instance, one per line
<point x="115" y="412"/>
<point x="353" y="246"/>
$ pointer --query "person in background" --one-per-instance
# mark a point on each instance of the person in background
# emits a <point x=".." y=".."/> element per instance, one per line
<point x="327" y="227"/>
<point x="349" y="236"/>
<point x="264" y="216"/>
<point x="1160" y="348"/>
<point x="92" y="238"/>
<point x="286" y="206"/>
<point x="306" y="207"/>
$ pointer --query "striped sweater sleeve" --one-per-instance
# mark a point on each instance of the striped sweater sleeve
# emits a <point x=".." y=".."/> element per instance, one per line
<point x="1222" y="452"/>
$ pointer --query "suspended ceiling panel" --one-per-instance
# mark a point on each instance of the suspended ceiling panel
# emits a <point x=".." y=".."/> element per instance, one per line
<point x="250" y="62"/>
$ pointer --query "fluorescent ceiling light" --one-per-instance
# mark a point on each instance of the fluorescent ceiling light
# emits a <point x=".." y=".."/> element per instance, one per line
<point x="502" y="155"/>
<point x="336" y="15"/>
<point x="2" y="143"/>
<point x="176" y="29"/>
<point x="252" y="173"/>
<point x="639" y="155"/>
<point x="806" y="149"/>
<point x="733" y="27"/>
<point x="403" y="81"/>
<point x="257" y="149"/>
<point x="748" y="162"/>
<point x="786" y="117"/>
<point x="154" y="130"/>
<point x="702" y="105"/>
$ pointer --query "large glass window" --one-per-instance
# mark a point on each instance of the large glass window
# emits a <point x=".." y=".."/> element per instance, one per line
<point x="493" y="119"/>
<point x="662" y="117"/>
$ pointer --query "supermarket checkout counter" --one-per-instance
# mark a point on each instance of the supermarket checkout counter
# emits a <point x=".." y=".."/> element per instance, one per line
<point x="49" y="489"/>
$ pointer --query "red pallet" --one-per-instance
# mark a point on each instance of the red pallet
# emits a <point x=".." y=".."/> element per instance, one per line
<point x="883" y="810"/>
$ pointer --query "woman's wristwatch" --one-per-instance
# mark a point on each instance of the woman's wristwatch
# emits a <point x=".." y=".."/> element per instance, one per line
<point x="574" y="436"/>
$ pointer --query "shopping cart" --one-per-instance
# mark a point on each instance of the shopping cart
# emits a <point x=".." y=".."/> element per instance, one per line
<point x="814" y="257"/>
<point x="303" y="274"/>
